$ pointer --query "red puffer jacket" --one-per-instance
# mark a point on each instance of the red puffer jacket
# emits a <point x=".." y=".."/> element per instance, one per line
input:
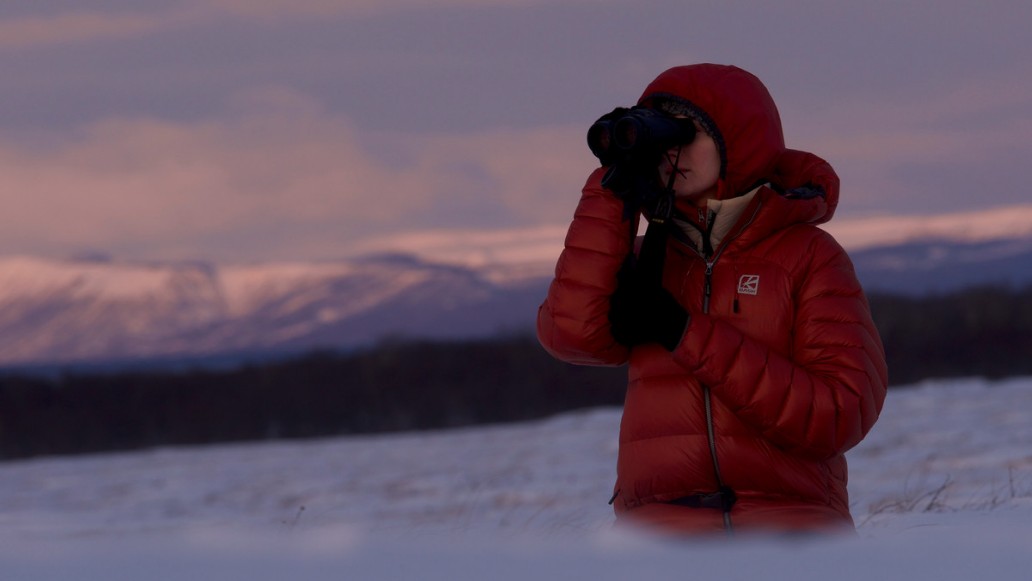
<point x="778" y="373"/>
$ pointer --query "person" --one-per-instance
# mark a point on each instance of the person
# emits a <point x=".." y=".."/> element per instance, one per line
<point x="754" y="364"/>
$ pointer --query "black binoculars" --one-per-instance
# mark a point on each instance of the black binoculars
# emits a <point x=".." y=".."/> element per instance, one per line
<point x="637" y="136"/>
<point x="631" y="143"/>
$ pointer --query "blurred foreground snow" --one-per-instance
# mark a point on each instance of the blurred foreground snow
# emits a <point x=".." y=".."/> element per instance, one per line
<point x="941" y="489"/>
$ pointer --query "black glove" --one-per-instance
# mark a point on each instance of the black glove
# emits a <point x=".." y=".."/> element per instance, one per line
<point x="640" y="312"/>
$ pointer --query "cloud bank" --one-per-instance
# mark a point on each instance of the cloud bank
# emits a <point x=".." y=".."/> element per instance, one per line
<point x="282" y="130"/>
<point x="273" y="183"/>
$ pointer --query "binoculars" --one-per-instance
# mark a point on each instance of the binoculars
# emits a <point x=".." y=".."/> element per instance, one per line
<point x="637" y="136"/>
<point x="631" y="143"/>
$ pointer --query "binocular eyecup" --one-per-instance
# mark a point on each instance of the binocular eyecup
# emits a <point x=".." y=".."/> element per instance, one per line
<point x="637" y="135"/>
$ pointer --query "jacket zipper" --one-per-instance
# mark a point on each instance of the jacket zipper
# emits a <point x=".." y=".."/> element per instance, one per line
<point x="711" y="259"/>
<point x="711" y="437"/>
<point x="708" y="287"/>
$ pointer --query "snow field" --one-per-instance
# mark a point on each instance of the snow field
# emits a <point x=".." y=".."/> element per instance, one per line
<point x="941" y="489"/>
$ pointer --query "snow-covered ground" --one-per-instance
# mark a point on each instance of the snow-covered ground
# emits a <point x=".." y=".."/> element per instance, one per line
<point x="941" y="489"/>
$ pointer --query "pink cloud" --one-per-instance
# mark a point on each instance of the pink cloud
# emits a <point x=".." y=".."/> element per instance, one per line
<point x="84" y="24"/>
<point x="973" y="225"/>
<point x="155" y="188"/>
<point x="74" y="27"/>
<point x="265" y="9"/>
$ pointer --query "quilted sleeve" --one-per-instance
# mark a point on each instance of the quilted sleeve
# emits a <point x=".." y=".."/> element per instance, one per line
<point x="822" y="399"/>
<point x="573" y="322"/>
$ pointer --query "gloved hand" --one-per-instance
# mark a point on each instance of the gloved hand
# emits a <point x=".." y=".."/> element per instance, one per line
<point x="645" y="313"/>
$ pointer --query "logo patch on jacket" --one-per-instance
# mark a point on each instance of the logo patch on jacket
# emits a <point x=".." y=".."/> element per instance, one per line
<point x="749" y="284"/>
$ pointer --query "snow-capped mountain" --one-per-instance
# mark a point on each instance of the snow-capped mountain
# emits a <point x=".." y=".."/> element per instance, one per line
<point x="83" y="311"/>
<point x="89" y="311"/>
<point x="941" y="265"/>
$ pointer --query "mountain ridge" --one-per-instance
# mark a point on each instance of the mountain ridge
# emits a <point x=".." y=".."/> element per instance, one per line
<point x="81" y="311"/>
<point x="85" y="311"/>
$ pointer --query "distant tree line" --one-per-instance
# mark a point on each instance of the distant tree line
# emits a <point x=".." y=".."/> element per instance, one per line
<point x="398" y="386"/>
<point x="985" y="331"/>
<point x="416" y="385"/>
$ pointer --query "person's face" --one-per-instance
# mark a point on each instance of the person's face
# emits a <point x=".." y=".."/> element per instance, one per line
<point x="697" y="168"/>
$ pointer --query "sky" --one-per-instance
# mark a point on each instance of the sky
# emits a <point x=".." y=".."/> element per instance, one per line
<point x="269" y="130"/>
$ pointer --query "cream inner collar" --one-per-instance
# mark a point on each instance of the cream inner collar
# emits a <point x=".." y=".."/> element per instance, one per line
<point x="719" y="215"/>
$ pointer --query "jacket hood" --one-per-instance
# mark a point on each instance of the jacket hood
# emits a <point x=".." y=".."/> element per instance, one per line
<point x="735" y="108"/>
<point x="808" y="185"/>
